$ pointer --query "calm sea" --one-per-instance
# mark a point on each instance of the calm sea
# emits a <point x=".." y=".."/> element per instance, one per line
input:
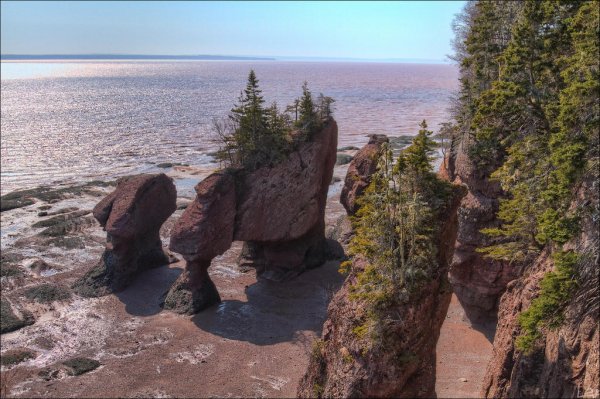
<point x="70" y="122"/>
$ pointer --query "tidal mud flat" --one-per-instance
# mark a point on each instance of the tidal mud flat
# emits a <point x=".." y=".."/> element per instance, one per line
<point x="126" y="344"/>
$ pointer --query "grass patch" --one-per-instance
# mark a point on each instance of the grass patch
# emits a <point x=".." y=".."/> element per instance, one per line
<point x="361" y="331"/>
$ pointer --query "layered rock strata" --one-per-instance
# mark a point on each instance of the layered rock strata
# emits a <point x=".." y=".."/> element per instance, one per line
<point x="131" y="216"/>
<point x="277" y="210"/>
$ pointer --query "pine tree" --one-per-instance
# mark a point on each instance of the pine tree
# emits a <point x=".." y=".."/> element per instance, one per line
<point x="307" y="120"/>
<point x="256" y="136"/>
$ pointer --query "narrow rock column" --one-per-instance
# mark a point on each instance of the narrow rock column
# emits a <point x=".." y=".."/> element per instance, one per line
<point x="359" y="173"/>
<point x="193" y="290"/>
<point x="132" y="216"/>
<point x="205" y="230"/>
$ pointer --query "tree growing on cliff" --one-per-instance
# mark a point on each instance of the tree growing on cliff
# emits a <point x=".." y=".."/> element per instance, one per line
<point x="307" y="121"/>
<point x="529" y="115"/>
<point x="255" y="136"/>
<point x="394" y="229"/>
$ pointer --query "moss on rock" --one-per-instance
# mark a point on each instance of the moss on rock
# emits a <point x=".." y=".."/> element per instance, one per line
<point x="16" y="356"/>
<point x="81" y="365"/>
<point x="46" y="293"/>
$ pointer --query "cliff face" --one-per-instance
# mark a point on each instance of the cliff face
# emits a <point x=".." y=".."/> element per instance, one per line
<point x="566" y="362"/>
<point x="477" y="281"/>
<point x="345" y="364"/>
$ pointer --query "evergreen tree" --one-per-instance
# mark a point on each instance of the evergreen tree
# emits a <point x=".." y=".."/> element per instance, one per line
<point x="307" y="120"/>
<point x="324" y="109"/>
<point x="255" y="136"/>
<point x="250" y="120"/>
<point x="532" y="120"/>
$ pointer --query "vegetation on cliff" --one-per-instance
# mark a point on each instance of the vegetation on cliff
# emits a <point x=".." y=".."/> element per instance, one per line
<point x="394" y="232"/>
<point x="254" y="135"/>
<point x="528" y="112"/>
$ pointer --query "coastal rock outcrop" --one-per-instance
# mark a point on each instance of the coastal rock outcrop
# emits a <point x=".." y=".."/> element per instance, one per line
<point x="358" y="176"/>
<point x="205" y="230"/>
<point x="277" y="210"/>
<point x="566" y="361"/>
<point x="346" y="364"/>
<point x="477" y="281"/>
<point x="131" y="216"/>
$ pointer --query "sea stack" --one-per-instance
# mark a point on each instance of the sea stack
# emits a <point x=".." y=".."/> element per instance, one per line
<point x="131" y="216"/>
<point x="278" y="210"/>
<point x="358" y="176"/>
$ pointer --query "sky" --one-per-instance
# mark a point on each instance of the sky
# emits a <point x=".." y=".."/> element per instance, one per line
<point x="362" y="30"/>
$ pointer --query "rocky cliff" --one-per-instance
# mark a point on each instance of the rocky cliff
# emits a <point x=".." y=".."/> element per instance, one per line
<point x="278" y="210"/>
<point x="477" y="281"/>
<point x="359" y="172"/>
<point x="347" y="363"/>
<point x="566" y="361"/>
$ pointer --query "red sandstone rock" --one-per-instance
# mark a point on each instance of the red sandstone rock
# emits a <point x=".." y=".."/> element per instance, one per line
<point x="132" y="216"/>
<point x="346" y="365"/>
<point x="279" y="210"/>
<point x="478" y="281"/>
<point x="284" y="202"/>
<point x="566" y="361"/>
<point x="205" y="229"/>
<point x="358" y="176"/>
<point x="139" y="204"/>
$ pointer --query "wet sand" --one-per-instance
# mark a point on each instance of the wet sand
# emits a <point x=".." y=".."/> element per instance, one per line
<point x="463" y="352"/>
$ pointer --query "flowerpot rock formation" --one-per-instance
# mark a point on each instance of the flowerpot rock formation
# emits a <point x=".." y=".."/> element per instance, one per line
<point x="132" y="216"/>
<point x="277" y="210"/>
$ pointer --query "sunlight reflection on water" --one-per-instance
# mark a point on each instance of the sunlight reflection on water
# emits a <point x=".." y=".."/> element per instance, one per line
<point x="77" y="121"/>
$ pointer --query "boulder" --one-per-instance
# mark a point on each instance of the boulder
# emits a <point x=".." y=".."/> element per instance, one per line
<point x="358" y="177"/>
<point x="131" y="216"/>
<point x="279" y="211"/>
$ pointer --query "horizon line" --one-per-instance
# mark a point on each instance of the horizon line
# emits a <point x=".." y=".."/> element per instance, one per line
<point x="216" y="57"/>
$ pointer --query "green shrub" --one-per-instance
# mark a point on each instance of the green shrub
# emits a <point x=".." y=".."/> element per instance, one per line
<point x="546" y="311"/>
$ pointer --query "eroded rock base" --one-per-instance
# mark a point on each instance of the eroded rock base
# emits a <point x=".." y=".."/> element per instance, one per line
<point x="193" y="291"/>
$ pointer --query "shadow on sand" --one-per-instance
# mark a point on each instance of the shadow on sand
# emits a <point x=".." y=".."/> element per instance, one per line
<point x="479" y="319"/>
<point x="145" y="295"/>
<point x="275" y="312"/>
